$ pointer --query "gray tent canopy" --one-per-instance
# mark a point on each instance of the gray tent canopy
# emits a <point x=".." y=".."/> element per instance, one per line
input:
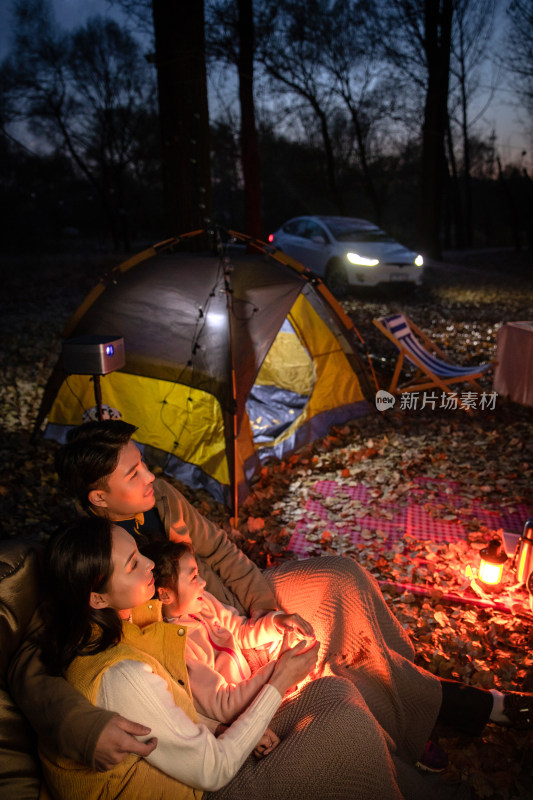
<point x="213" y="343"/>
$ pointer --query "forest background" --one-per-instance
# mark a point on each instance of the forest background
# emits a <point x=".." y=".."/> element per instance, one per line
<point x="372" y="109"/>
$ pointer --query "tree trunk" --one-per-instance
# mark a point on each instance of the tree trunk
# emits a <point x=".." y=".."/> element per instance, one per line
<point x="466" y="166"/>
<point x="455" y="193"/>
<point x="331" y="170"/>
<point x="250" y="159"/>
<point x="438" y="20"/>
<point x="514" y="219"/>
<point x="183" y="112"/>
<point x="367" y="176"/>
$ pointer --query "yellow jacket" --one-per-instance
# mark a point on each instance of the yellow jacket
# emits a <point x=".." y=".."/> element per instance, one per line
<point x="163" y="648"/>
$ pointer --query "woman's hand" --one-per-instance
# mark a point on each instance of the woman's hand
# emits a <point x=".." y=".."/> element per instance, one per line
<point x="294" y="623"/>
<point x="294" y="664"/>
<point x="266" y="744"/>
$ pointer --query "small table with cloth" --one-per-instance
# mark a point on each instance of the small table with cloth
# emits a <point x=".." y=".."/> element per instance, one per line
<point x="513" y="376"/>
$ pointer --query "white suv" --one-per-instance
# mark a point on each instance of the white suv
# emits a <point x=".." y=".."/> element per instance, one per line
<point x="347" y="252"/>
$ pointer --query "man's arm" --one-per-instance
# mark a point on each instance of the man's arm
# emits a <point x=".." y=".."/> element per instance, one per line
<point x="63" y="717"/>
<point x="240" y="575"/>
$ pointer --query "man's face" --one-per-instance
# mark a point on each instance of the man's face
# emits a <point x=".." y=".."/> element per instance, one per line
<point x="129" y="487"/>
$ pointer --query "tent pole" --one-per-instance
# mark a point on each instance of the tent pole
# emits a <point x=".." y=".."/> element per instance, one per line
<point x="235" y="447"/>
<point x="228" y="290"/>
<point x="98" y="396"/>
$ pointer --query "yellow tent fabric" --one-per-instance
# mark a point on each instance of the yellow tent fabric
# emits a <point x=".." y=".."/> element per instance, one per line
<point x="194" y="414"/>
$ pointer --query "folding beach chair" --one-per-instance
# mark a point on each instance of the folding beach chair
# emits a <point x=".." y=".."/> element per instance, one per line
<point x="433" y="371"/>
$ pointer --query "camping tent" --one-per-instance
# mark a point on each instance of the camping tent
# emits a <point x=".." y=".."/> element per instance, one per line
<point x="230" y="358"/>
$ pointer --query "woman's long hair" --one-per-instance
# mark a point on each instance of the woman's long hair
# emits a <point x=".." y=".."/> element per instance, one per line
<point x="78" y="562"/>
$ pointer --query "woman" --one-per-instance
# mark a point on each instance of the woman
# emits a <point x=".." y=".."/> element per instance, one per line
<point x="98" y="582"/>
<point x="96" y="578"/>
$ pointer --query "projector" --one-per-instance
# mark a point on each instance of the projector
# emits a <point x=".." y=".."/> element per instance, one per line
<point x="93" y="355"/>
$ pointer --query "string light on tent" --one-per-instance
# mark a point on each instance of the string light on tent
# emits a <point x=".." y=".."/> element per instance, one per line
<point x="216" y="319"/>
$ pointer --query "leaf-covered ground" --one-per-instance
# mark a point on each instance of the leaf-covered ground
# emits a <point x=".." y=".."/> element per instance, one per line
<point x="486" y="454"/>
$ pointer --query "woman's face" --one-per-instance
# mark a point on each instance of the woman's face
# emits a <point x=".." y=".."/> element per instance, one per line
<point x="131" y="583"/>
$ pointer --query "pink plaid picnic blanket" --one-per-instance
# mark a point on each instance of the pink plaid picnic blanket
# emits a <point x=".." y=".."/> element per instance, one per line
<point x="435" y="510"/>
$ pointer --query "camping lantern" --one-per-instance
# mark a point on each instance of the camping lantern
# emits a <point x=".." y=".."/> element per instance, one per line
<point x="524" y="553"/>
<point x="492" y="561"/>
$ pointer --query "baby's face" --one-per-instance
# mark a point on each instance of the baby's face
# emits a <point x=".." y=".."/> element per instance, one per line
<point x="190" y="586"/>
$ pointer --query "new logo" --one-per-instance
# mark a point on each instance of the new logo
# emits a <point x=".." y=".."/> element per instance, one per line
<point x="384" y="400"/>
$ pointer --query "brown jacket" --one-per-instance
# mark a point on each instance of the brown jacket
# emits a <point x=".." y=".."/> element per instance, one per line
<point x="230" y="575"/>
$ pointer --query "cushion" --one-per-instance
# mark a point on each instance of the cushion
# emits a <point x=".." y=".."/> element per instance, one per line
<point x="20" y="590"/>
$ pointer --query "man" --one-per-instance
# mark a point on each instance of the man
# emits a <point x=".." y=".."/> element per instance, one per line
<point x="103" y="469"/>
<point x="361" y="641"/>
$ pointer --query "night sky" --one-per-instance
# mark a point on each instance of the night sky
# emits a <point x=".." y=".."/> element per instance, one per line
<point x="502" y="115"/>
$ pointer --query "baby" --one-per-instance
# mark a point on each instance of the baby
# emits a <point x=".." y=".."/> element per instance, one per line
<point x="221" y="681"/>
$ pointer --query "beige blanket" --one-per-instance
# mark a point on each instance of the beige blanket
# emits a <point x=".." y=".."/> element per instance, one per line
<point x="357" y="729"/>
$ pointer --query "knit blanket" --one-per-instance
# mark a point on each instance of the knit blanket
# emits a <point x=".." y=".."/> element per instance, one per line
<point x="356" y="729"/>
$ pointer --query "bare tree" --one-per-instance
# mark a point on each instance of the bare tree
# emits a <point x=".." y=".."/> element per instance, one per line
<point x="290" y="52"/>
<point x="87" y="92"/>
<point x="416" y="39"/>
<point x="231" y="40"/>
<point x="348" y="58"/>
<point x="518" y="57"/>
<point x="472" y="29"/>
<point x="178" y="32"/>
<point x="438" y="20"/>
<point x="183" y="112"/>
<point x="249" y="140"/>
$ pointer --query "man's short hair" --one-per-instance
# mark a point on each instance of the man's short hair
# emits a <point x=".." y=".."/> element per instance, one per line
<point x="90" y="455"/>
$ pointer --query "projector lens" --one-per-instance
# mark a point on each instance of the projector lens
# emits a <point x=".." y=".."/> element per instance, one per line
<point x="109" y="350"/>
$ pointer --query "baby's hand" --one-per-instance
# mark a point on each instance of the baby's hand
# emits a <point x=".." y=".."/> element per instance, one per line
<point x="294" y="623"/>
<point x="266" y="744"/>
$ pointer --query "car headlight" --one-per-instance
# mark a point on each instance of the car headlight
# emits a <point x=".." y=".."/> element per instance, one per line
<point x="353" y="258"/>
<point x="419" y="261"/>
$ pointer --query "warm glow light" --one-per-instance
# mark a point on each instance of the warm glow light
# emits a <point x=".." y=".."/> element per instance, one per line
<point x="490" y="573"/>
<point x="419" y="261"/>
<point x="353" y="258"/>
<point x="492" y="561"/>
